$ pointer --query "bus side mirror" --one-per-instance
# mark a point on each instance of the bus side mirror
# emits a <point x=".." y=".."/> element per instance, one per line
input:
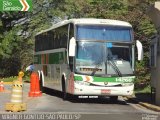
<point x="139" y="49"/>
<point x="72" y="47"/>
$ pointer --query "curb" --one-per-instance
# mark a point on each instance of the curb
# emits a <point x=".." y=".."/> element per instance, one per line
<point x="144" y="104"/>
<point x="150" y="106"/>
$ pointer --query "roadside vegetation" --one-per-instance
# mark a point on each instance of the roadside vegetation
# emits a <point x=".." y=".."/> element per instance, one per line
<point x="26" y="78"/>
<point x="9" y="79"/>
<point x="146" y="89"/>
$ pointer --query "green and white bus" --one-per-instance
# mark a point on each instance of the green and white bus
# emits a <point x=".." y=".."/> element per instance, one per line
<point x="87" y="57"/>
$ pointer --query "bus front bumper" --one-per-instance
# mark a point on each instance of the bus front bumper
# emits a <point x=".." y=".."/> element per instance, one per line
<point x="100" y="91"/>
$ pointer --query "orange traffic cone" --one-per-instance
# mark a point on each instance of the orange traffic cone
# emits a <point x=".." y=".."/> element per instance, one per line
<point x="1" y="86"/>
<point x="34" y="86"/>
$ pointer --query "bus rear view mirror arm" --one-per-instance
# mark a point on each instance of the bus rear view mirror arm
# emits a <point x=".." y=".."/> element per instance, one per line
<point x="72" y="47"/>
<point x="139" y="49"/>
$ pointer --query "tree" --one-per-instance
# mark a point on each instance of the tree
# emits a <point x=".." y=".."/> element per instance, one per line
<point x="17" y="29"/>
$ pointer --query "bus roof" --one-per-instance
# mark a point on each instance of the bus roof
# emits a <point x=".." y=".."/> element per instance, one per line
<point x="89" y="21"/>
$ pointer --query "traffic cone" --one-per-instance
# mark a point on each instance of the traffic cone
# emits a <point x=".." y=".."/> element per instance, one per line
<point x="16" y="104"/>
<point x="34" y="86"/>
<point x="1" y="86"/>
<point x="16" y="96"/>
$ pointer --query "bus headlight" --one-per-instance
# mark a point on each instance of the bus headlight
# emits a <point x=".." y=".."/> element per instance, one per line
<point x="127" y="84"/>
<point x="82" y="83"/>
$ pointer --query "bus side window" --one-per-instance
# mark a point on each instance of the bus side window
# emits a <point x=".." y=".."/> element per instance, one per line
<point x="55" y="40"/>
<point x="49" y="40"/>
<point x="52" y="40"/>
<point x="71" y="31"/>
<point x="36" y="43"/>
<point x="40" y="41"/>
<point x="64" y="34"/>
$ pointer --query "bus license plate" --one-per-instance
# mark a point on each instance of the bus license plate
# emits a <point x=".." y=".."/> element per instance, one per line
<point x="105" y="91"/>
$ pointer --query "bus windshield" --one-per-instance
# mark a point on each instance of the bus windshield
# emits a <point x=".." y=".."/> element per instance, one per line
<point x="96" y="58"/>
<point x="107" y="33"/>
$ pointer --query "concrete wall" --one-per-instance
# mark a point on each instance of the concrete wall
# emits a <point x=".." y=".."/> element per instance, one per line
<point x="154" y="13"/>
<point x="155" y="79"/>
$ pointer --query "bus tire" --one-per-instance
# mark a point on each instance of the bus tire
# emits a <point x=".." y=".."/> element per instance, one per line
<point x="64" y="93"/>
<point x="41" y="83"/>
<point x="114" y="98"/>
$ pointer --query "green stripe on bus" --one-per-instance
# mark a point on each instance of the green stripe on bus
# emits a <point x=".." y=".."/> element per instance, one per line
<point x="52" y="58"/>
<point x="115" y="79"/>
<point x="56" y="58"/>
<point x="109" y="79"/>
<point x="101" y="79"/>
<point x="78" y="78"/>
<point x="37" y="59"/>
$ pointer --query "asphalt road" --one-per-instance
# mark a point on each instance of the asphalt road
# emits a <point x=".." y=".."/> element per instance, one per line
<point x="51" y="106"/>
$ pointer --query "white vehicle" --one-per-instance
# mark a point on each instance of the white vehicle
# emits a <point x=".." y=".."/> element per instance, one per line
<point x="87" y="57"/>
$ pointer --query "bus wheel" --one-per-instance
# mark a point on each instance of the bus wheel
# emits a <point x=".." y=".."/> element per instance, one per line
<point x="114" y="98"/>
<point x="64" y="94"/>
<point x="41" y="83"/>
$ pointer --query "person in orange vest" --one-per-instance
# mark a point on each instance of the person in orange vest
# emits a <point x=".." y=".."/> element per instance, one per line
<point x="30" y="68"/>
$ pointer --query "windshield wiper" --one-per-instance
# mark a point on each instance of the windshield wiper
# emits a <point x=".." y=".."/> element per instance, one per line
<point x="116" y="69"/>
<point x="96" y="68"/>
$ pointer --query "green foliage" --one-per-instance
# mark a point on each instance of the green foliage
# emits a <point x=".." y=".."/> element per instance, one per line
<point x="12" y="78"/>
<point x="142" y="73"/>
<point x="146" y="89"/>
<point x="146" y="28"/>
<point x="9" y="79"/>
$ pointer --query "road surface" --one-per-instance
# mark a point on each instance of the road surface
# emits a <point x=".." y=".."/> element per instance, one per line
<point x="51" y="106"/>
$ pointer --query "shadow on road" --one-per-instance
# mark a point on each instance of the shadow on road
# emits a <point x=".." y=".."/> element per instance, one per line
<point x="75" y="99"/>
<point x="142" y="97"/>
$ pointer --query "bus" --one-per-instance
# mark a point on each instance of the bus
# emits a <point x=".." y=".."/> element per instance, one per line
<point x="87" y="57"/>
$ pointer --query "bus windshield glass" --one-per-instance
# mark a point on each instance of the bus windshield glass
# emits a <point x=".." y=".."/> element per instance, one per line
<point x="107" y="33"/>
<point x="96" y="58"/>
